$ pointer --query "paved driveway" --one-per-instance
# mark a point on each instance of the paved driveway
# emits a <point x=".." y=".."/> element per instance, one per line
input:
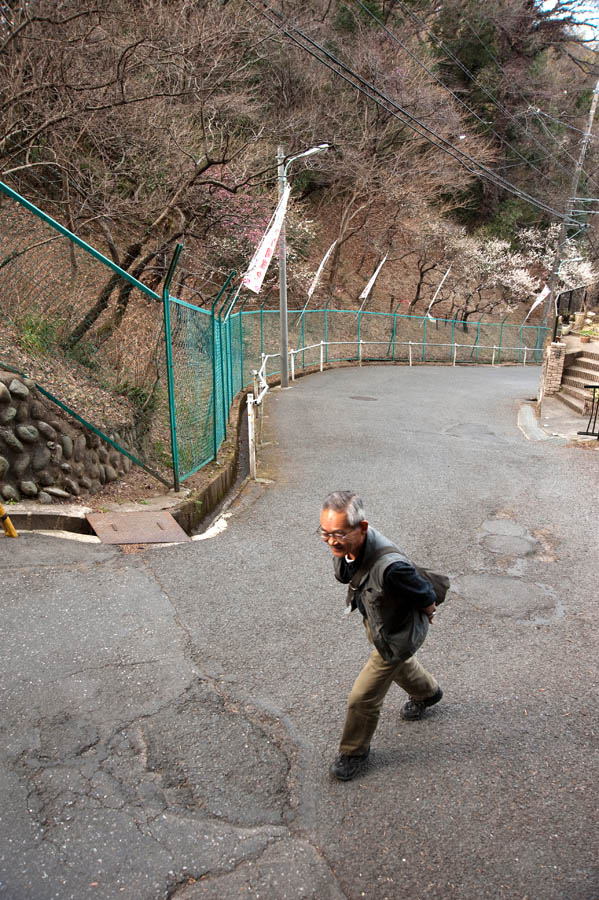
<point x="169" y="716"/>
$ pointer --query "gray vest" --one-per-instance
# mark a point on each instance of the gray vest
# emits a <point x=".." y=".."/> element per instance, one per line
<point x="397" y="632"/>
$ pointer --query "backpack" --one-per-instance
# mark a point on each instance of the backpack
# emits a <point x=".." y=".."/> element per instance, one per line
<point x="440" y="583"/>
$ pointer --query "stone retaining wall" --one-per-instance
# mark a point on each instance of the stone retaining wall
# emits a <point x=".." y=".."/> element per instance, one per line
<point x="45" y="454"/>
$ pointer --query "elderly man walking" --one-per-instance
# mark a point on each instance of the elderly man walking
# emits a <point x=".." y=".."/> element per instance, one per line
<point x="397" y="604"/>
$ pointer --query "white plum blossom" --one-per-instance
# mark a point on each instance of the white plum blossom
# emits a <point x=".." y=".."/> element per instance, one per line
<point x="496" y="273"/>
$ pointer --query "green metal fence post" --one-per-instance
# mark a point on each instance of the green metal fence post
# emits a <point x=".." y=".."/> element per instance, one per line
<point x="423" y="338"/>
<point x="223" y="372"/>
<point x="241" y="343"/>
<point x="230" y="360"/>
<point x="225" y="335"/>
<point x="169" y="364"/>
<point x="214" y="405"/>
<point x="539" y="344"/>
<point x="303" y="340"/>
<point x="501" y="339"/>
<point x="223" y="376"/>
<point x="359" y="353"/>
<point x="214" y="362"/>
<point x="520" y="349"/>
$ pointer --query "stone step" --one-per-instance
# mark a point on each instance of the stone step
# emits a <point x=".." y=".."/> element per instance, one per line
<point x="588" y="358"/>
<point x="571" y="402"/>
<point x="588" y="362"/>
<point x="591" y="359"/>
<point x="574" y="392"/>
<point x="577" y="381"/>
<point x="591" y="375"/>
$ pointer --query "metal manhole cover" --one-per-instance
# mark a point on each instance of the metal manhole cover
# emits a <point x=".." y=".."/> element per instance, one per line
<point x="137" y="528"/>
<point x="363" y="398"/>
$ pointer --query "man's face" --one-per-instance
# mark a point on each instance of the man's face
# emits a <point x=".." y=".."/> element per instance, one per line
<point x="336" y="524"/>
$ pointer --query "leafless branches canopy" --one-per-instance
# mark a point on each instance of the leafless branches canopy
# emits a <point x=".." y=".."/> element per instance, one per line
<point x="144" y="123"/>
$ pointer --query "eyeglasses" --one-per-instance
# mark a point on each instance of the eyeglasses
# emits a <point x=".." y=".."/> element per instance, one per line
<point x="336" y="535"/>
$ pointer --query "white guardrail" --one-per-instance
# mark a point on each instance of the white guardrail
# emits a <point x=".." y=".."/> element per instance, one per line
<point x="255" y="398"/>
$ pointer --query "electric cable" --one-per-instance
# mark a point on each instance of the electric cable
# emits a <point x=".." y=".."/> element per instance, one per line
<point x="476" y="168"/>
<point x="415" y="57"/>
<point x="501" y="69"/>
<point x="536" y="111"/>
<point x="473" y="78"/>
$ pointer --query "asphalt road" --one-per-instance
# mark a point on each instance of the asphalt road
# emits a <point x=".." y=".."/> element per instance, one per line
<point x="168" y="717"/>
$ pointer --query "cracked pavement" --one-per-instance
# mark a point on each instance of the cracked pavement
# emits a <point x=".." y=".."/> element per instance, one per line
<point x="168" y="717"/>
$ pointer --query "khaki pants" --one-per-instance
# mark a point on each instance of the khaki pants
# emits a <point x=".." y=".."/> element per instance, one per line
<point x="368" y="693"/>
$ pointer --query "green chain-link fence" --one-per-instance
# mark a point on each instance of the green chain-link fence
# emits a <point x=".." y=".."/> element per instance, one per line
<point x="72" y="317"/>
<point x="156" y="376"/>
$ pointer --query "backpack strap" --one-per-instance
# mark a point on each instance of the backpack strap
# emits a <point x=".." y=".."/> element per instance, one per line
<point x="439" y="583"/>
<point x="364" y="569"/>
<point x="368" y="564"/>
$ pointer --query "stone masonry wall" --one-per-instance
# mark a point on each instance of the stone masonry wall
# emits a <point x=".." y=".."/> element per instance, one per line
<point x="555" y="355"/>
<point x="46" y="455"/>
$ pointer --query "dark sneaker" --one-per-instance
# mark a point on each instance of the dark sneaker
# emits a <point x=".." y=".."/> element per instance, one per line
<point x="414" y="709"/>
<point x="345" y="767"/>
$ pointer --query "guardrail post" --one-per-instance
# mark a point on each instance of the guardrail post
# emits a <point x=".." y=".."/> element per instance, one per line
<point x="168" y="345"/>
<point x="9" y="528"/>
<point x="251" y="435"/>
<point x="292" y="363"/>
<point x="258" y="428"/>
<point x="321" y="356"/>
<point x="493" y="357"/>
<point x="360" y="352"/>
<point x="525" y="349"/>
<point x="455" y="350"/>
<point x="410" y="351"/>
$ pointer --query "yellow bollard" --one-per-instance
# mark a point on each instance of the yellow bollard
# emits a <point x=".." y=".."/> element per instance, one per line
<point x="9" y="528"/>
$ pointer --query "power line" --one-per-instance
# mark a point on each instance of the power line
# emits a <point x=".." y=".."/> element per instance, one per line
<point x="501" y="69"/>
<point x="476" y="168"/>
<point x="472" y="77"/>
<point x="539" y="112"/>
<point x="472" y="112"/>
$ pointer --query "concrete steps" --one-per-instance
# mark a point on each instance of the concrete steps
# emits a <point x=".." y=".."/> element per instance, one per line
<point x="580" y="368"/>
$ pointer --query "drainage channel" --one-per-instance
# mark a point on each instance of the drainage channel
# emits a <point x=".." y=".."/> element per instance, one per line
<point x="133" y="526"/>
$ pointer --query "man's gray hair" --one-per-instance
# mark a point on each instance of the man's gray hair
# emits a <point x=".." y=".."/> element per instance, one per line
<point x="347" y="502"/>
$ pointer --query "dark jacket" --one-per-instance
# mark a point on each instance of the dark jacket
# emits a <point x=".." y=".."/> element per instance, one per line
<point x="398" y="628"/>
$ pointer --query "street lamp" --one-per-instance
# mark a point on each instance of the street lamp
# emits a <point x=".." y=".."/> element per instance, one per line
<point x="282" y="168"/>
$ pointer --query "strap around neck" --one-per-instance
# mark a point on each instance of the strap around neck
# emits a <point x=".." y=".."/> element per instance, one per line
<point x="368" y="563"/>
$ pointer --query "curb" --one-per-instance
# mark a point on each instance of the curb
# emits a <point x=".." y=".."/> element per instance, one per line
<point x="188" y="513"/>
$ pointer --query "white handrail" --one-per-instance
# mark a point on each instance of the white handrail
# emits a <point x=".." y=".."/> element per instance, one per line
<point x="251" y="434"/>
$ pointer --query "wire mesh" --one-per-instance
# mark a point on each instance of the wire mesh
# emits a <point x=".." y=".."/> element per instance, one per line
<point x="67" y="307"/>
<point x="60" y="301"/>
<point x="192" y="352"/>
<point x="391" y="337"/>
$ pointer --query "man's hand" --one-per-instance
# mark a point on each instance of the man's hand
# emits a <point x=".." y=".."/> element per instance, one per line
<point x="430" y="612"/>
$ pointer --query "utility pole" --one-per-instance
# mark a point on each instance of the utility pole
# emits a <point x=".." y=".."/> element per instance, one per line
<point x="281" y="178"/>
<point x="563" y="232"/>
